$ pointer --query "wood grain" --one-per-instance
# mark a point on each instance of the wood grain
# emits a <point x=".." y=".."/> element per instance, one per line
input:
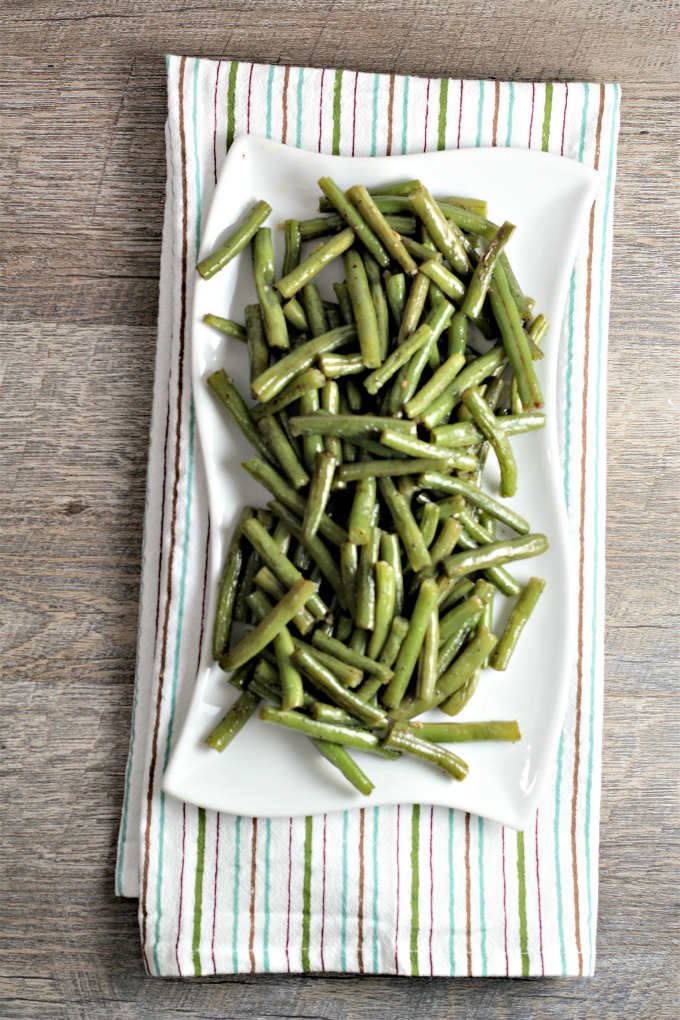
<point x="82" y="176"/>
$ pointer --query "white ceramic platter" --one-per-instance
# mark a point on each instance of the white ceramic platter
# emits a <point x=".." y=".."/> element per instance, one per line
<point x="267" y="771"/>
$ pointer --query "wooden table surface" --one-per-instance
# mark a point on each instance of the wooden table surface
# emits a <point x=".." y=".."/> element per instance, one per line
<point x="81" y="185"/>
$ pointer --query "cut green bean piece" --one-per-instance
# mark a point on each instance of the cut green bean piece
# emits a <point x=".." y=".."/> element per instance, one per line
<point x="395" y="289"/>
<point x="399" y="356"/>
<point x="406" y="525"/>
<point x="315" y="547"/>
<point x="460" y="698"/>
<point x="230" y="398"/>
<point x="458" y="334"/>
<point x="233" y="722"/>
<point x="443" y="232"/>
<point x="345" y="764"/>
<point x="487" y="423"/>
<point x="258" y="351"/>
<point x="495" y="554"/>
<point x="275" y="327"/>
<point x="390" y="551"/>
<point x="518" y="619"/>
<point x="385" y="599"/>
<point x="388" y="468"/>
<point x="463" y="433"/>
<point x="515" y="341"/>
<point x="348" y="736"/>
<point x="416" y="448"/>
<point x="349" y="565"/>
<point x="429" y="522"/>
<point x="344" y="302"/>
<point x="463" y="733"/>
<point x="498" y="576"/>
<point x="267" y="580"/>
<point x="293" y="240"/>
<point x="301" y="386"/>
<point x="279" y="563"/>
<point x="265" y="632"/>
<point x="472" y="375"/>
<point x="315" y="262"/>
<point x="228" y="588"/>
<point x="410" y="649"/>
<point x="427" y="664"/>
<point x="348" y="426"/>
<point x="362" y="308"/>
<point x="403" y="740"/>
<point x="348" y="675"/>
<point x="365" y="603"/>
<point x="296" y="315"/>
<point x="291" y="679"/>
<point x="334" y="366"/>
<point x="339" y="694"/>
<point x="319" y="492"/>
<point x="434" y="387"/>
<point x="272" y="480"/>
<point x="414" y="308"/>
<point x="353" y="219"/>
<point x="481" y="278"/>
<point x="226" y="326"/>
<point x="279" y="375"/>
<point x="331" y="646"/>
<point x="314" y="310"/>
<point x="361" y="514"/>
<point x="538" y="329"/>
<point x="444" y="279"/>
<point x="281" y="451"/>
<point x="331" y="714"/>
<point x="475" y="496"/>
<point x="376" y="221"/>
<point x="235" y="243"/>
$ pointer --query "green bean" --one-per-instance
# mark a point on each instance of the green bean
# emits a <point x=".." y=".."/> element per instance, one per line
<point x="475" y="205"/>
<point x="349" y="565"/>
<point x="359" y="641"/>
<point x="390" y="551"/>
<point x="254" y="642"/>
<point x="404" y="740"/>
<point x="395" y="289"/>
<point x="411" y="447"/>
<point x="282" y="451"/>
<point x="517" y="620"/>
<point x="495" y="554"/>
<point x="353" y="219"/>
<point x="444" y="279"/>
<point x="301" y="385"/>
<point x="258" y="352"/>
<point x="498" y="576"/>
<point x="315" y="262"/>
<point x="379" y="302"/>
<point x="319" y="492"/>
<point x="253" y="562"/>
<point x="486" y="422"/>
<point x="538" y="329"/>
<point x="410" y="649"/>
<point x="235" y="243"/>
<point x="385" y="599"/>
<point x="314" y="310"/>
<point x="228" y="588"/>
<point x="515" y="341"/>
<point x="312" y="445"/>
<point x="279" y="563"/>
<point x="344" y="628"/>
<point x="466" y="219"/>
<point x="291" y="679"/>
<point x="348" y="426"/>
<point x="230" y="398"/>
<point x="348" y="736"/>
<point x="340" y="695"/>
<point x="406" y="525"/>
<point x="446" y="541"/>
<point x="376" y="221"/>
<point x="478" y="498"/>
<point x="389" y="468"/>
<point x="233" y="722"/>
<point x="272" y="480"/>
<point x="443" y="232"/>
<point x="472" y="375"/>
<point x="427" y="664"/>
<point x="277" y="376"/>
<point x="462" y="733"/>
<point x="330" y="404"/>
<point x="451" y="591"/>
<point x="345" y="764"/>
<point x="322" y="712"/>
<point x="400" y="188"/>
<point x="349" y="655"/>
<point x="429" y="522"/>
<point x="459" y="699"/>
<point x="348" y="675"/>
<point x="361" y="514"/>
<point x="525" y="305"/>
<point x="362" y="308"/>
<point x="333" y="315"/>
<point x="463" y="433"/>
<point x="454" y="629"/>
<point x="267" y="580"/>
<point x="458" y="334"/>
<point x="414" y="308"/>
<point x="296" y="315"/>
<point x="365" y="603"/>
<point x="335" y="365"/>
<point x="422" y="250"/>
<point x="226" y="326"/>
<point x="481" y="277"/>
<point x="399" y="356"/>
<point x="291" y="257"/>
<point x="387" y="204"/>
<point x="408" y="377"/>
<point x="438" y="384"/>
<point x="342" y="294"/>
<point x="274" y="320"/>
<point x="315" y="547"/>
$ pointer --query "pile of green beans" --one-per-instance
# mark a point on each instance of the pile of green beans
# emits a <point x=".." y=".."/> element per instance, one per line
<point x="365" y="591"/>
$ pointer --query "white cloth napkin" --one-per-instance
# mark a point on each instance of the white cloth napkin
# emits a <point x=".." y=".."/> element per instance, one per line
<point x="402" y="890"/>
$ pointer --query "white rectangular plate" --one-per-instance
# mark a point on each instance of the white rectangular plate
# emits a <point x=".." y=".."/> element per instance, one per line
<point x="267" y="771"/>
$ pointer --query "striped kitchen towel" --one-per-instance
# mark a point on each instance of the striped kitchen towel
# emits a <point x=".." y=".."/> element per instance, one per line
<point x="399" y="890"/>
